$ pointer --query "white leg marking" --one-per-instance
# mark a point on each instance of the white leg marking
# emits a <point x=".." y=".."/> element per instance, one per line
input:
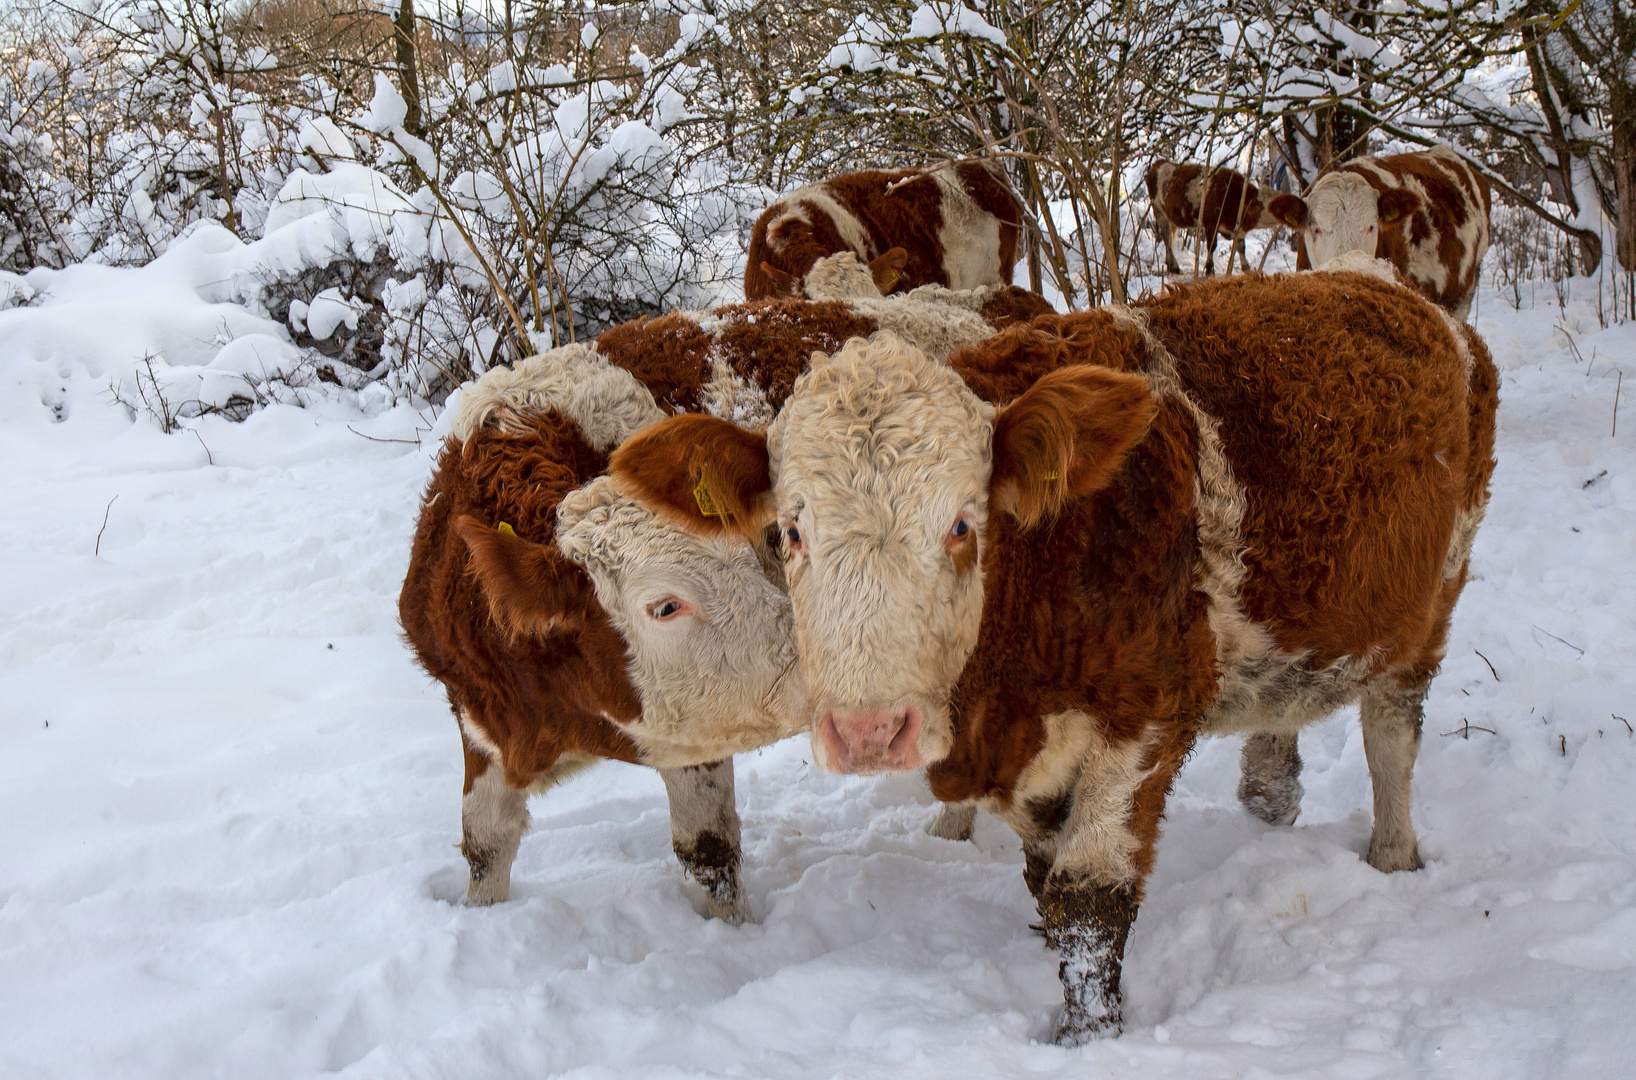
<point x="954" y="821"/>
<point x="1391" y="740"/>
<point x="1270" y="783"/>
<point x="704" y="831"/>
<point x="493" y="818"/>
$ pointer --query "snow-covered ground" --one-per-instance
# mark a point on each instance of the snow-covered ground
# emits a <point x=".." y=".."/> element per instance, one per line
<point x="230" y="802"/>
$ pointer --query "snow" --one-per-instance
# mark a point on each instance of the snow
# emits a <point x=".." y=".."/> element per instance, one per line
<point x="232" y="801"/>
<point x="935" y="19"/>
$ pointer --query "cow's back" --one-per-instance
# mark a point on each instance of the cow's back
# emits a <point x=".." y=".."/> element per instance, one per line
<point x="1343" y="412"/>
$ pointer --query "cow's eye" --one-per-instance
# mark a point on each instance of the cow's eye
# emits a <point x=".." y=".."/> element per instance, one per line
<point x="961" y="528"/>
<point x="792" y="538"/>
<point x="669" y="608"/>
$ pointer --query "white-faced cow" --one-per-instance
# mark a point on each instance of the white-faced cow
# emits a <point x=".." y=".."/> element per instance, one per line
<point x="1212" y="202"/>
<point x="1426" y="213"/>
<point x="629" y="638"/>
<point x="954" y="225"/>
<point x="1046" y="568"/>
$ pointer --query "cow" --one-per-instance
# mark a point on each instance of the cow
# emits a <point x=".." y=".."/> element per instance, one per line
<point x="954" y="225"/>
<point x="1212" y="202"/>
<point x="628" y="638"/>
<point x="1426" y="213"/>
<point x="1043" y="570"/>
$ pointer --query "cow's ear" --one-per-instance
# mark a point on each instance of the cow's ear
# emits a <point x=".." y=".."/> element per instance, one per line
<point x="887" y="269"/>
<point x="706" y="474"/>
<point x="784" y="283"/>
<point x="1065" y="438"/>
<point x="1289" y="209"/>
<point x="1396" y="204"/>
<point x="531" y="589"/>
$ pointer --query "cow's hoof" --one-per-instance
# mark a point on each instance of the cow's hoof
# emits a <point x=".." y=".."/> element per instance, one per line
<point x="954" y="821"/>
<point x="1073" y="1031"/>
<point x="1279" y="811"/>
<point x="733" y="910"/>
<point x="485" y="893"/>
<point x="1389" y="858"/>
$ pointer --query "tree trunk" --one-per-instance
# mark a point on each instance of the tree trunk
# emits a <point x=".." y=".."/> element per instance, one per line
<point x="1624" y="189"/>
<point x="403" y="40"/>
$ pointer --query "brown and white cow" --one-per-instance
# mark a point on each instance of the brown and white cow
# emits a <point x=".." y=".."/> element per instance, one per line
<point x="1212" y="202"/>
<point x="954" y="225"/>
<point x="1426" y="213"/>
<point x="1044" y="569"/>
<point x="629" y="638"/>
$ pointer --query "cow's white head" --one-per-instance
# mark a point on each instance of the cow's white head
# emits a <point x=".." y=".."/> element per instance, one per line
<point x="707" y="628"/>
<point x="712" y="649"/>
<point x="887" y="468"/>
<point x="842" y="276"/>
<point x="1343" y="212"/>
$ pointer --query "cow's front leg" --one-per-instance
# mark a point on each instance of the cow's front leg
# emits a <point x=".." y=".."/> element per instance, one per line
<point x="704" y="831"/>
<point x="1162" y="227"/>
<point x="493" y="818"/>
<point x="954" y="821"/>
<point x="1103" y="855"/>
<point x="1087" y="924"/>
<point x="1269" y="785"/>
<point x="1392" y="716"/>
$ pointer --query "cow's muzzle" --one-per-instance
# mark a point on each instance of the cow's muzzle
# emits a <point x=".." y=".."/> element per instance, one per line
<point x="872" y="740"/>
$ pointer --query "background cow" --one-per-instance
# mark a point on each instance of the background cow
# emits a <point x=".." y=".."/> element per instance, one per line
<point x="1212" y="202"/>
<point x="674" y="650"/>
<point x="953" y="225"/>
<point x="1426" y="213"/>
<point x="1233" y="509"/>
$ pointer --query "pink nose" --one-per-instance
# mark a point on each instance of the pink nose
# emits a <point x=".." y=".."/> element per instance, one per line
<point x="872" y="740"/>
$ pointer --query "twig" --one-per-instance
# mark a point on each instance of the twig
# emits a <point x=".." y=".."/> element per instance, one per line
<point x="1490" y="664"/>
<point x="1564" y="743"/>
<point x="1616" y="388"/>
<point x="1578" y="356"/>
<point x="1623" y="721"/>
<point x="97" y="551"/>
<point x="1465" y="729"/>
<point x="1564" y="641"/>
<point x="372" y="438"/>
<point x="1593" y="479"/>
<point x="208" y="456"/>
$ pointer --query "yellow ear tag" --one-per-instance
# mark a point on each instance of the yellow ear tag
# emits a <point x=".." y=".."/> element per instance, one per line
<point x="1051" y="474"/>
<point x="707" y="504"/>
<point x="891" y="282"/>
<point x="505" y="530"/>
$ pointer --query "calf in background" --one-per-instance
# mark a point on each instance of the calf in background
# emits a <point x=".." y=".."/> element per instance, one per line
<point x="954" y="225"/>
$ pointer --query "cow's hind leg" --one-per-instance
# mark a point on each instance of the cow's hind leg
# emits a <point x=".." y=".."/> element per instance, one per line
<point x="954" y="821"/>
<point x="493" y="818"/>
<point x="704" y="831"/>
<point x="1392" y="716"/>
<point x="1270" y="784"/>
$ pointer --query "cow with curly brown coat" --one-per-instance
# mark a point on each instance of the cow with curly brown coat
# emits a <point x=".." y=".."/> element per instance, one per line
<point x="627" y="637"/>
<point x="1044" y="570"/>
<point x="955" y="225"/>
